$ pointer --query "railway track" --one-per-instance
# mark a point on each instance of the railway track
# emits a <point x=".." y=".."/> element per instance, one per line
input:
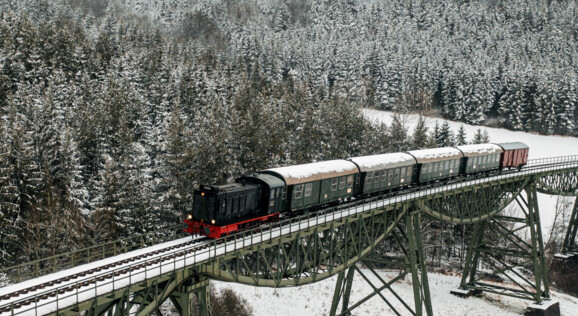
<point x="83" y="278"/>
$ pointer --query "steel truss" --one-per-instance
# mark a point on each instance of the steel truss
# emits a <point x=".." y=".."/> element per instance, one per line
<point x="308" y="255"/>
<point x="564" y="185"/>
<point x="508" y="228"/>
<point x="408" y="239"/>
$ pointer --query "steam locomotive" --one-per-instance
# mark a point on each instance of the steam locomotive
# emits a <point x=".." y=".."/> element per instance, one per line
<point x="220" y="210"/>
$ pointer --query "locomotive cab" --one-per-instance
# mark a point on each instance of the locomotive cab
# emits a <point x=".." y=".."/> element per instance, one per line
<point x="215" y="208"/>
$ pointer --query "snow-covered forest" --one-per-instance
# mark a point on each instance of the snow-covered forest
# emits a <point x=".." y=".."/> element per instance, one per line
<point x="112" y="111"/>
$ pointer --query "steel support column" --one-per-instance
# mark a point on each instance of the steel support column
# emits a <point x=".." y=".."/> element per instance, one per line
<point x="410" y="244"/>
<point x="192" y="298"/>
<point x="570" y="239"/>
<point x="507" y="229"/>
<point x="342" y="292"/>
<point x="421" y="294"/>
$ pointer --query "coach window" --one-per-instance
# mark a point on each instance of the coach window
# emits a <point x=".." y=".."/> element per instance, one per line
<point x="334" y="184"/>
<point x="350" y="182"/>
<point x="376" y="175"/>
<point x="436" y="166"/>
<point x="341" y="183"/>
<point x="284" y="195"/>
<point x="308" y="188"/>
<point x="397" y="173"/>
<point x="298" y="191"/>
<point x="383" y="175"/>
<point x="403" y="172"/>
<point x="447" y="165"/>
<point x="369" y="177"/>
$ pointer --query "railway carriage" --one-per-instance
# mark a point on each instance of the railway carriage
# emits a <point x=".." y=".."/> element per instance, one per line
<point x="384" y="172"/>
<point x="515" y="155"/>
<point x="480" y="158"/>
<point x="317" y="183"/>
<point x="436" y="163"/>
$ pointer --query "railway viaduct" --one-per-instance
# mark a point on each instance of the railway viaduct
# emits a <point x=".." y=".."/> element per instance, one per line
<point x="104" y="280"/>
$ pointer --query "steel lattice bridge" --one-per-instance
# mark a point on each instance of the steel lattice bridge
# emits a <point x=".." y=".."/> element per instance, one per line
<point x="317" y="246"/>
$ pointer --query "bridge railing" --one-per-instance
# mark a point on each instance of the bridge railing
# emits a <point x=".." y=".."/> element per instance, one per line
<point x="48" y="265"/>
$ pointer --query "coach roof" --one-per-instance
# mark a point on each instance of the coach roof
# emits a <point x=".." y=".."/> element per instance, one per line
<point x="314" y="171"/>
<point x="383" y="161"/>
<point x="480" y="149"/>
<point x="436" y="154"/>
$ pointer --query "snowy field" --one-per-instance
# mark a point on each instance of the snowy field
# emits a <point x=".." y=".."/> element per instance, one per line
<point x="315" y="299"/>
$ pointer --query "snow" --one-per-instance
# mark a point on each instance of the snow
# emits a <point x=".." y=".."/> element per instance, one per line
<point x="435" y="154"/>
<point x="541" y="146"/>
<point x="480" y="149"/>
<point x="314" y="171"/>
<point x="383" y="161"/>
<point x="315" y="299"/>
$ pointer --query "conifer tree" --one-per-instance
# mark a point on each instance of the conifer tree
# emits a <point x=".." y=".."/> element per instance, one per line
<point x="420" y="138"/>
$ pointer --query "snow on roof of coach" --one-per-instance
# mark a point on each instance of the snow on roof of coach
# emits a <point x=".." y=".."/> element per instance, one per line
<point x="314" y="171"/>
<point x="480" y="149"/>
<point x="383" y="161"/>
<point x="511" y="146"/>
<point x="436" y="154"/>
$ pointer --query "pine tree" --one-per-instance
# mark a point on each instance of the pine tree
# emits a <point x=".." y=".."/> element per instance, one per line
<point x="419" y="139"/>
<point x="445" y="136"/>
<point x="461" y="136"/>
<point x="398" y="135"/>
<point x="478" y="137"/>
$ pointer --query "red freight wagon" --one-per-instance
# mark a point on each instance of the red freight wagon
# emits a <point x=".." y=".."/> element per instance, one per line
<point x="515" y="155"/>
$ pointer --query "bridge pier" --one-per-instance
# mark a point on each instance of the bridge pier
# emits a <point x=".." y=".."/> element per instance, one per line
<point x="483" y="248"/>
<point x="410" y="243"/>
<point x="570" y="238"/>
<point x="184" y="298"/>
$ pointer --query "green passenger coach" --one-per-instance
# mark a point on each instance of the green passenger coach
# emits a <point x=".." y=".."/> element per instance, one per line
<point x="480" y="157"/>
<point x="437" y="163"/>
<point x="385" y="172"/>
<point x="317" y="183"/>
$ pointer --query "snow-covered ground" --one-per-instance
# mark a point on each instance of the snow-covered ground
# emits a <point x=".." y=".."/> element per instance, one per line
<point x="315" y="299"/>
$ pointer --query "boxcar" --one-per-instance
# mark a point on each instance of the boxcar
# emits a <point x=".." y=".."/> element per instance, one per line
<point x="436" y="163"/>
<point x="515" y="155"/>
<point x="315" y="183"/>
<point x="480" y="158"/>
<point x="384" y="172"/>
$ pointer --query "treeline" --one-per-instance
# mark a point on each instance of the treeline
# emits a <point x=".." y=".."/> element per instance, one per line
<point x="501" y="63"/>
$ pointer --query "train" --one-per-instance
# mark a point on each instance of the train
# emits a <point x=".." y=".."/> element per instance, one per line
<point x="222" y="210"/>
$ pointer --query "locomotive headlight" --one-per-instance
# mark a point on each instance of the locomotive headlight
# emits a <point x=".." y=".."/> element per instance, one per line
<point x="190" y="216"/>
<point x="213" y="221"/>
